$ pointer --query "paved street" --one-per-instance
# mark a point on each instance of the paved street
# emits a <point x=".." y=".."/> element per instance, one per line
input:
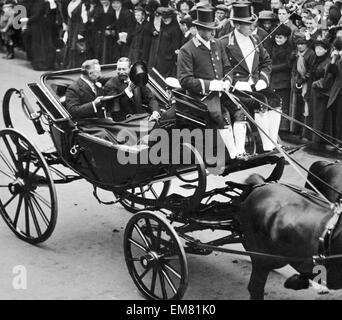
<point x="84" y="257"/>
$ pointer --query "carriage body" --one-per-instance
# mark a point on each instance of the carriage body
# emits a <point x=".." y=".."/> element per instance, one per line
<point x="33" y="216"/>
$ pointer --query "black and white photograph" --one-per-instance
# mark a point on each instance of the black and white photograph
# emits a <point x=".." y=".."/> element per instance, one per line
<point x="186" y="150"/>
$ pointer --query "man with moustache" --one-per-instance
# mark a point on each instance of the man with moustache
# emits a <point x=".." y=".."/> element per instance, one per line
<point x="135" y="100"/>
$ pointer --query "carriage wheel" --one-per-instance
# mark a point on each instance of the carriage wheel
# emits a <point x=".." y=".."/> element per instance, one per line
<point x="152" y="191"/>
<point x="155" y="257"/>
<point x="28" y="202"/>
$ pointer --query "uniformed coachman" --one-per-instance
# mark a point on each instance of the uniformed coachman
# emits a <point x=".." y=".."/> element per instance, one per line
<point x="207" y="65"/>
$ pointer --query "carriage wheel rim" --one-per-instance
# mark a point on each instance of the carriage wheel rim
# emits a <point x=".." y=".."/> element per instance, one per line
<point x="131" y="206"/>
<point x="156" y="261"/>
<point x="37" y="209"/>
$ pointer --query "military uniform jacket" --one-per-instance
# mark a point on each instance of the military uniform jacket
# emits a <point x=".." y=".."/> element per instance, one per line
<point x="262" y="63"/>
<point x="197" y="66"/>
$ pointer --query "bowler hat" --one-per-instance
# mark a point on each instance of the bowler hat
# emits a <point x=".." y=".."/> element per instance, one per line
<point x="242" y="13"/>
<point x="205" y="18"/>
<point x="266" y="15"/>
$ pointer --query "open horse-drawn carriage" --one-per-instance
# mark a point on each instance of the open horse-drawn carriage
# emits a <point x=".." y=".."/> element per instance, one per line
<point x="159" y="235"/>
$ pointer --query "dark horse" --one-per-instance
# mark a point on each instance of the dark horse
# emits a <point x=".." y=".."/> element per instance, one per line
<point x="278" y="220"/>
<point x="329" y="172"/>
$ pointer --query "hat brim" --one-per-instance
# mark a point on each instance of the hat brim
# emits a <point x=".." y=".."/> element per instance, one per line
<point x="250" y="20"/>
<point x="210" y="25"/>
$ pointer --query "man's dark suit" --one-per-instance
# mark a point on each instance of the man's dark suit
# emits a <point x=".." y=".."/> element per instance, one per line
<point x="197" y="67"/>
<point x="79" y="97"/>
<point x="123" y="106"/>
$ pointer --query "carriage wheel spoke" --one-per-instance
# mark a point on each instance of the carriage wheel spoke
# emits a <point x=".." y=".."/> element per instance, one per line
<point x="41" y="198"/>
<point x="142" y="236"/>
<point x="8" y="164"/>
<point x="27" y="218"/>
<point x="138" y="245"/>
<point x="7" y="174"/>
<point x="34" y="217"/>
<point x="10" y="151"/>
<point x="168" y="267"/>
<point x="134" y="259"/>
<point x="41" y="212"/>
<point x="169" y="258"/>
<point x="150" y="232"/>
<point x="145" y="272"/>
<point x="154" y="280"/>
<point x="162" y="284"/>
<point x="169" y="281"/>
<point x="35" y="171"/>
<point x="10" y="200"/>
<point x="158" y="237"/>
<point x="15" y="221"/>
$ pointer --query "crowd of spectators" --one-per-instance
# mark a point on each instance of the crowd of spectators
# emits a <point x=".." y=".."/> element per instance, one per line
<point x="303" y="38"/>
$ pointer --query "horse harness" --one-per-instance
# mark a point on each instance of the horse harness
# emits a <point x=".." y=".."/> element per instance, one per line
<point x="324" y="241"/>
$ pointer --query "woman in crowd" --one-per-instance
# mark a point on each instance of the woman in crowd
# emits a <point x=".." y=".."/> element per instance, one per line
<point x="320" y="89"/>
<point x="169" y="42"/>
<point x="105" y="32"/>
<point x="75" y="48"/>
<point x="281" y="70"/>
<point x="302" y="66"/>
<point x="42" y="50"/>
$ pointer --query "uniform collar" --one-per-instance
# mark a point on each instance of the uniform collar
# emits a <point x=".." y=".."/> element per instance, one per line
<point x="198" y="40"/>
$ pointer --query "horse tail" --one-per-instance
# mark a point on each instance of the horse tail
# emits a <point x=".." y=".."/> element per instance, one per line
<point x="255" y="179"/>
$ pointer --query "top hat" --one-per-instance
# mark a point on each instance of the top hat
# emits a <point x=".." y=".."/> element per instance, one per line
<point x="205" y="18"/>
<point x="139" y="74"/>
<point x="242" y="13"/>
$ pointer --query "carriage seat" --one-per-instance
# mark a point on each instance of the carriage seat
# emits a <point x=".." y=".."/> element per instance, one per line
<point x="190" y="110"/>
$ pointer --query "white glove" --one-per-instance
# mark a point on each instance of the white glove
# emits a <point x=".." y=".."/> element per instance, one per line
<point x="243" y="86"/>
<point x="155" y="116"/>
<point x="215" y="85"/>
<point x="260" y="85"/>
<point x="226" y="85"/>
